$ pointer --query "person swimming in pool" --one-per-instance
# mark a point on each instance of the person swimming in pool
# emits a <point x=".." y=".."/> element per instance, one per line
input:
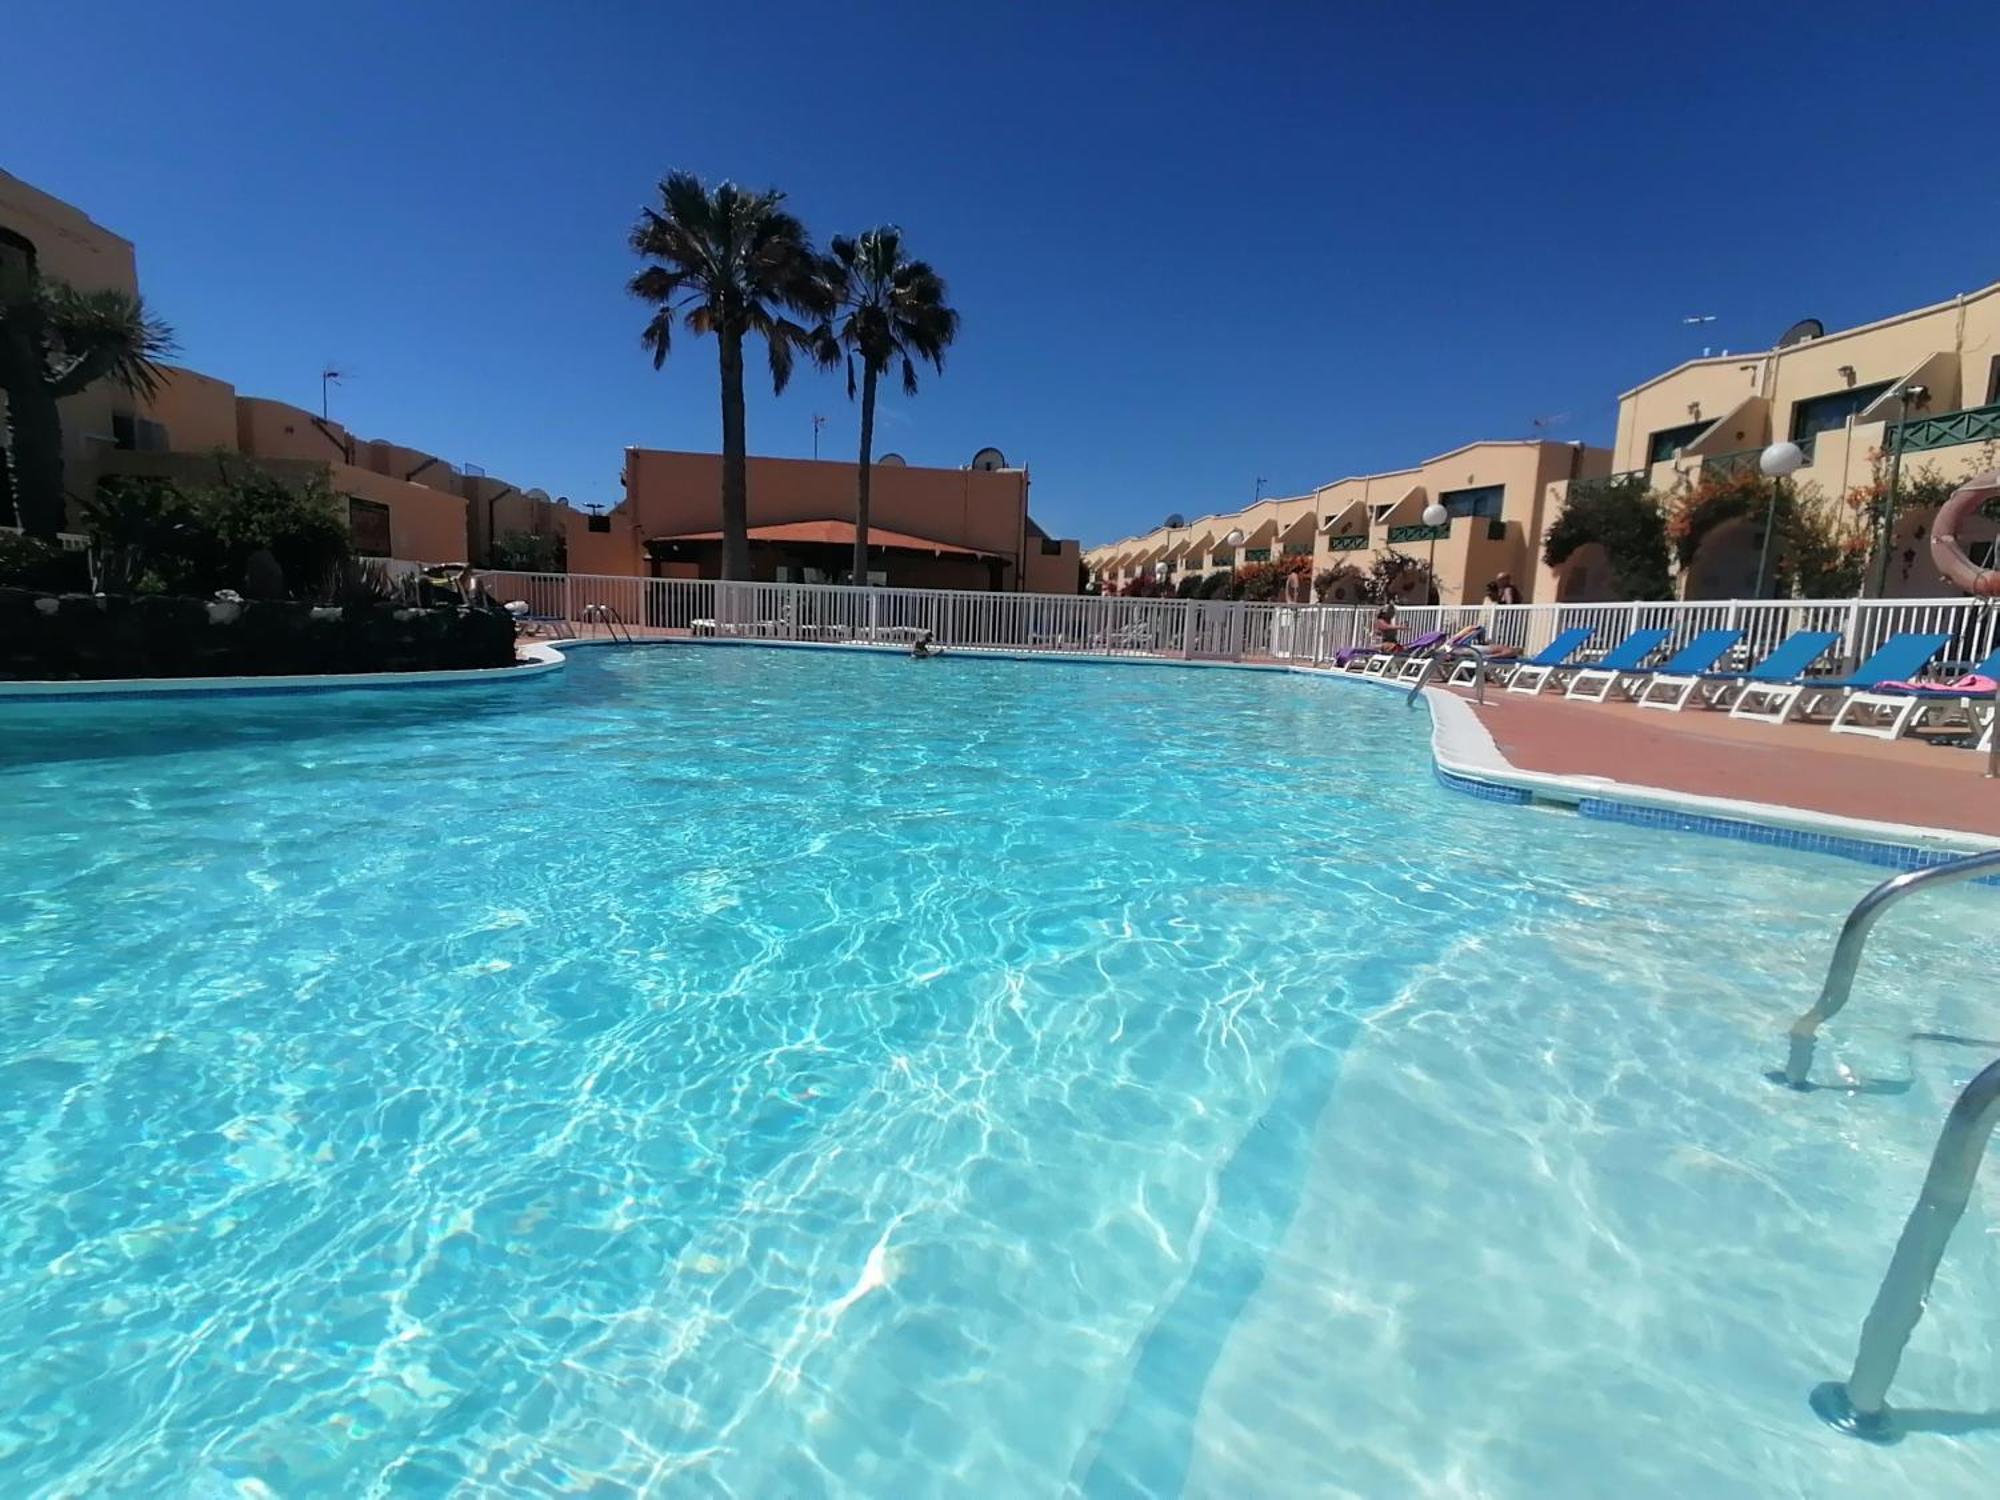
<point x="924" y="646"/>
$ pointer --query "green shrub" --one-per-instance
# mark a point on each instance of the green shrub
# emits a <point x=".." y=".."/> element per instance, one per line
<point x="30" y="563"/>
<point x="249" y="531"/>
<point x="530" y="552"/>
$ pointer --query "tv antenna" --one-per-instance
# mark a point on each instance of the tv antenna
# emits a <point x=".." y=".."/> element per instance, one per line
<point x="1694" y="320"/>
<point x="328" y="375"/>
<point x="1543" y="425"/>
<point x="818" y="422"/>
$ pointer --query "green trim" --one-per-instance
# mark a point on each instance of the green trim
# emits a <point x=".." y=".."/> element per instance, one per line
<point x="1744" y="460"/>
<point x="1355" y="543"/>
<point x="1975" y="424"/>
<point x="1419" y="533"/>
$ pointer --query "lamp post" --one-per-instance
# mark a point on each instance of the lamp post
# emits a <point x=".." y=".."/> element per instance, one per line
<point x="1779" y="462"/>
<point x="1906" y="397"/>
<point x="1436" y="517"/>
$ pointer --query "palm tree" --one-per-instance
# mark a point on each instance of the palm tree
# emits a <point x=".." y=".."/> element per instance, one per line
<point x="890" y="309"/>
<point x="54" y="341"/>
<point x="731" y="263"/>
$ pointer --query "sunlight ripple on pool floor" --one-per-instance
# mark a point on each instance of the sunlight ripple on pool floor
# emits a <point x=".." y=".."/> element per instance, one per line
<point x="719" y="1071"/>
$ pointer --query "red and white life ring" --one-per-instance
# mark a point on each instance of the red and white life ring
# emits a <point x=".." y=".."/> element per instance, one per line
<point x="1946" y="553"/>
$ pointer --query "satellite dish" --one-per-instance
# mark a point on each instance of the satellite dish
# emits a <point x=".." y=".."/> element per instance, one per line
<point x="989" y="459"/>
<point x="1803" y="331"/>
<point x="892" y="461"/>
<point x="1175" y="521"/>
<point x="541" y="496"/>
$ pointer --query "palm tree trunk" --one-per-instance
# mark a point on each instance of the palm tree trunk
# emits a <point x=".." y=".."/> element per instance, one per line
<point x="735" y="466"/>
<point x="860" y="577"/>
<point x="35" y="448"/>
<point x="7" y="514"/>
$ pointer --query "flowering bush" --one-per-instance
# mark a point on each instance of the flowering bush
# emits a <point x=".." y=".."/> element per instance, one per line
<point x="1343" y="583"/>
<point x="1707" y="504"/>
<point x="1625" y="518"/>
<point x="1267" y="581"/>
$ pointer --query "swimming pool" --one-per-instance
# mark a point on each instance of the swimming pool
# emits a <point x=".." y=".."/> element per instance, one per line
<point x="741" y="1071"/>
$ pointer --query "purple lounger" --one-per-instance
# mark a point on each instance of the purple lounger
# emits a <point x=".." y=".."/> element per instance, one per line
<point x="1354" y="653"/>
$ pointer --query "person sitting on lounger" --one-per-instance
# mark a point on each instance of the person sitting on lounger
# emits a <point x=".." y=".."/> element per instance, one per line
<point x="1472" y="641"/>
<point x="1386" y="628"/>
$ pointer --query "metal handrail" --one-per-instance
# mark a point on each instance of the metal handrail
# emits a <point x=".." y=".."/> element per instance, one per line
<point x="1450" y="658"/>
<point x="607" y="615"/>
<point x="1854" y="937"/>
<point x="1859" y="1405"/>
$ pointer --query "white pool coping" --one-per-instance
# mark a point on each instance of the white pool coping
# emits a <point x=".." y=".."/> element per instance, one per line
<point x="532" y="660"/>
<point x="1462" y="746"/>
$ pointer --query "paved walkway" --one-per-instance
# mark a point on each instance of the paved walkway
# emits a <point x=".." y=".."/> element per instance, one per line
<point x="1710" y="754"/>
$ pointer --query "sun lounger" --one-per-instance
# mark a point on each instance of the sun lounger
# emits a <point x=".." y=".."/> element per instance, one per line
<point x="1891" y="709"/>
<point x="1530" y="672"/>
<point x="1409" y="664"/>
<point x="1595" y="684"/>
<point x="1627" y="656"/>
<point x="1378" y="662"/>
<point x="1899" y="657"/>
<point x="1788" y="662"/>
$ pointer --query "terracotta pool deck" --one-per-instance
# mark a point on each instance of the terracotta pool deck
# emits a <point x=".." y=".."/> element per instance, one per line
<point x="1706" y="753"/>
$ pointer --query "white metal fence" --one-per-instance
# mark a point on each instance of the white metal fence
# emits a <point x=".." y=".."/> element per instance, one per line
<point x="1191" y="629"/>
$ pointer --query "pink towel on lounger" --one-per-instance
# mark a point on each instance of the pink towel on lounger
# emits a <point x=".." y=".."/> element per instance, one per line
<point x="1972" y="685"/>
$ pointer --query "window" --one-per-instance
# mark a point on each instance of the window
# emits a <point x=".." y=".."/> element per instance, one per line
<point x="132" y="434"/>
<point x="1484" y="502"/>
<point x="17" y="251"/>
<point x="1222" y="559"/>
<point x="1298" y="549"/>
<point x="368" y="524"/>
<point x="1669" y="442"/>
<point x="1825" y="413"/>
<point x="1993" y="383"/>
<point x="1257" y="554"/>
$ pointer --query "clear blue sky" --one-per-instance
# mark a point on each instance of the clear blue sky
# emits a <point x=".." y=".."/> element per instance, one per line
<point x="1193" y="245"/>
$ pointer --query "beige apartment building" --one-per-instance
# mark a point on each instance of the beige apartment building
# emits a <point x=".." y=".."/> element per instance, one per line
<point x="402" y="502"/>
<point x="1494" y="495"/>
<point x="1921" y="387"/>
<point x="1923" y="384"/>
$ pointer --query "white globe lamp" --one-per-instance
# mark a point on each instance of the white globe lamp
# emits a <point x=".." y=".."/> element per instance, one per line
<point x="1782" y="460"/>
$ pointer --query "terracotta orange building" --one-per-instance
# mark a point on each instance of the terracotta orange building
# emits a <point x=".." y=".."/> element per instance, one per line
<point x="928" y="527"/>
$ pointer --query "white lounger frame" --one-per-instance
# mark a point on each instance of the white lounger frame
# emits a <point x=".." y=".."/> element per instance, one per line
<point x="1888" y="716"/>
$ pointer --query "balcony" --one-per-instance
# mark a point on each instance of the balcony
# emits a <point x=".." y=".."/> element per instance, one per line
<point x="1976" y="424"/>
<point x="1401" y="534"/>
<point x="1744" y="460"/>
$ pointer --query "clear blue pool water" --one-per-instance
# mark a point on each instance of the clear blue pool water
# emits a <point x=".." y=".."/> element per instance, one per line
<point x="726" y="1071"/>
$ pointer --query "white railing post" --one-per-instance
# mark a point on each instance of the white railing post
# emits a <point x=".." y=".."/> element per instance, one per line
<point x="1187" y="629"/>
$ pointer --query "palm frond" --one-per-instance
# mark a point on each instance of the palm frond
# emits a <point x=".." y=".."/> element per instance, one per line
<point x="102" y="335"/>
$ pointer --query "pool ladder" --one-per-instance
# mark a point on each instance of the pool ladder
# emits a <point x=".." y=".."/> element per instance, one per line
<point x="607" y="615"/>
<point x="1859" y="1405"/>
<point x="1441" y="658"/>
